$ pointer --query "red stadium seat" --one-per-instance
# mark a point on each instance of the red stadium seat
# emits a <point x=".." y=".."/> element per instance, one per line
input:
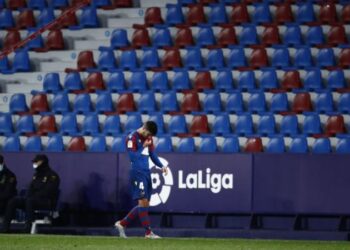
<point x="195" y="14"/>
<point x="123" y="3"/>
<point x="172" y="59"/>
<point x="153" y="16"/>
<point x="337" y="35"/>
<point x="140" y="38"/>
<point x="54" y="40"/>
<point x="344" y="58"/>
<point x="208" y="1"/>
<point x="68" y="20"/>
<point x="77" y="144"/>
<point x="86" y="60"/>
<point x="39" y="104"/>
<point x="95" y="82"/>
<point x="16" y="4"/>
<point x="190" y="102"/>
<point x="258" y="58"/>
<point x="203" y="81"/>
<point x="239" y="14"/>
<point x="47" y="124"/>
<point x="284" y="13"/>
<point x="335" y="125"/>
<point x="184" y="37"/>
<point x="227" y="36"/>
<point x="199" y="125"/>
<point x="345" y="15"/>
<point x="12" y="37"/>
<point x="302" y="103"/>
<point x="270" y="35"/>
<point x="253" y="145"/>
<point x="327" y="13"/>
<point x="126" y="103"/>
<point x="291" y="80"/>
<point x="26" y="20"/>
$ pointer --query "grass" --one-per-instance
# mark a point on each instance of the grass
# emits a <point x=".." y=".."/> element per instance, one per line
<point x="52" y="242"/>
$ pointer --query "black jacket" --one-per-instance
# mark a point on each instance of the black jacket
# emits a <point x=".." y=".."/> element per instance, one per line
<point x="45" y="184"/>
<point x="8" y="184"/>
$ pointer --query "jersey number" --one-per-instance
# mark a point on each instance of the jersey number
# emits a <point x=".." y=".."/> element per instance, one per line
<point x="141" y="186"/>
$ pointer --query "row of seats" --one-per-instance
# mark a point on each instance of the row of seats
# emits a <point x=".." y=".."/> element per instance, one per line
<point x="196" y="58"/>
<point x="224" y="80"/>
<point x="188" y="102"/>
<point x="220" y="124"/>
<point x="247" y="35"/>
<point x="183" y="145"/>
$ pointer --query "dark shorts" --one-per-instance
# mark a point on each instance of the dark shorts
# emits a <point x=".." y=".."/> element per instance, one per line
<point x="141" y="185"/>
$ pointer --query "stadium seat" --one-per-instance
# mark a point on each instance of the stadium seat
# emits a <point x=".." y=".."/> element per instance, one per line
<point x="36" y="43"/>
<point x="291" y="80"/>
<point x="174" y="14"/>
<point x="335" y="125"/>
<point x="158" y="119"/>
<point x="186" y="145"/>
<point x="118" y="145"/>
<point x="343" y="58"/>
<point x="172" y="59"/>
<point x="208" y="145"/>
<point x="6" y="19"/>
<point x="324" y="102"/>
<point x="128" y="60"/>
<point x="337" y="35"/>
<point x="69" y="21"/>
<point x="95" y="82"/>
<point x="193" y="58"/>
<point x="45" y="17"/>
<point x="212" y="102"/>
<point x="18" y="103"/>
<point x="25" y="19"/>
<point x="6" y="126"/>
<point x="163" y="145"/>
<point x="343" y="146"/>
<point x="292" y="35"/>
<point x="183" y="37"/>
<point x="345" y="14"/>
<point x="226" y="37"/>
<point x="39" y="103"/>
<point x="266" y="125"/>
<point x="116" y="81"/>
<point x="60" y="103"/>
<point x="224" y="80"/>
<point x="73" y="82"/>
<point x="140" y="38"/>
<point x="246" y="80"/>
<point x="275" y="145"/>
<point x="69" y="124"/>
<point x="253" y="145"/>
<point x="279" y="103"/>
<point x="132" y="123"/>
<point x="86" y="60"/>
<point x="106" y="60"/>
<point x="33" y="144"/>
<point x="168" y="103"/>
<point x="321" y="146"/>
<point x="327" y="13"/>
<point x="262" y="13"/>
<point x="203" y="81"/>
<point x="280" y="58"/>
<point x="303" y="58"/>
<point x="162" y="37"/>
<point x="88" y="18"/>
<point x="215" y="59"/>
<point x="234" y="102"/>
<point x="52" y="83"/>
<point x="344" y="103"/>
<point x="177" y="125"/>
<point x="313" y="79"/>
<point x="268" y="79"/>
<point x="326" y="58"/>
<point x="239" y="14"/>
<point x="138" y="81"/>
<point x="298" y="145"/>
<point x="76" y="144"/>
<point x="248" y="36"/>
<point x="221" y="125"/>
<point x="205" y="36"/>
<point x="4" y="65"/>
<point x="302" y="103"/>
<point x="190" y="102"/>
<point x="123" y="3"/>
<point x="199" y="125"/>
<point x="230" y="145"/>
<point x="244" y="125"/>
<point x="258" y="58"/>
<point x="125" y="103"/>
<point x="160" y="81"/>
<point x="90" y="125"/>
<point x="119" y="39"/>
<point x="147" y="102"/>
<point x="314" y="35"/>
<point x="112" y="125"/>
<point x="98" y="144"/>
<point x="195" y="15"/>
<point x="25" y="124"/>
<point x="236" y="58"/>
<point x="289" y="125"/>
<point x="104" y="103"/>
<point x="283" y="13"/>
<point x="312" y="124"/>
<point x="305" y="12"/>
<point x="54" y="40"/>
<point x="217" y="14"/>
<point x="270" y="36"/>
<point x="47" y="125"/>
<point x="256" y="102"/>
<point x="21" y="61"/>
<point x="153" y="16"/>
<point x="55" y="144"/>
<point x="11" y="144"/>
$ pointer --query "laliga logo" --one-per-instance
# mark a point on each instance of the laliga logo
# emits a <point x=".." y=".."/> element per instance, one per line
<point x="162" y="196"/>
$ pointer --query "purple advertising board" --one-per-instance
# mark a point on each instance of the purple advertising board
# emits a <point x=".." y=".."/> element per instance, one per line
<point x="196" y="183"/>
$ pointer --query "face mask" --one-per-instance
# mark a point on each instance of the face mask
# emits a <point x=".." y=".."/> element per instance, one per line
<point x="35" y="165"/>
<point x="1" y="167"/>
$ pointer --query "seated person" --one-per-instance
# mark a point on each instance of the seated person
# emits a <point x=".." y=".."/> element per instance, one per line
<point x="8" y="184"/>
<point x="42" y="194"/>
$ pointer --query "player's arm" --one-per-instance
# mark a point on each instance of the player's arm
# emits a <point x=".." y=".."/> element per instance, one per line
<point x="155" y="158"/>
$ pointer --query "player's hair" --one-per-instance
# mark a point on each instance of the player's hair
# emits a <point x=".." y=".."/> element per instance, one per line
<point x="151" y="126"/>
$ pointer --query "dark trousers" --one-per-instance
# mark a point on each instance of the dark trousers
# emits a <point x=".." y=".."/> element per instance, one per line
<point x="29" y="205"/>
<point x="3" y="204"/>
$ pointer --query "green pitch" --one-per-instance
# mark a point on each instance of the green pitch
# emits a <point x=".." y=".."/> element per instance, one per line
<point x="52" y="242"/>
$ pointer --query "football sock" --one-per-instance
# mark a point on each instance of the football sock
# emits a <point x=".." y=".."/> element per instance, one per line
<point x="144" y="218"/>
<point x="129" y="217"/>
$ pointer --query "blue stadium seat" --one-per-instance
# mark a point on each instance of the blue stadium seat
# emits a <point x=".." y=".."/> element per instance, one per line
<point x="119" y="38"/>
<point x="45" y="17"/>
<point x="313" y="79"/>
<point x="289" y="125"/>
<point x="112" y="125"/>
<point x="159" y="81"/>
<point x="236" y="58"/>
<point x="69" y="125"/>
<point x="33" y="144"/>
<point x="21" y="61"/>
<point x="60" y="103"/>
<point x="292" y="35"/>
<point x="6" y="124"/>
<point x="82" y="103"/>
<point x="36" y="4"/>
<point x="59" y="3"/>
<point x="6" y="19"/>
<point x="298" y="145"/>
<point x="212" y="102"/>
<point x="181" y="80"/>
<point x="244" y="125"/>
<point x="98" y="144"/>
<point x="279" y="102"/>
<point x="55" y="144"/>
<point x="106" y="60"/>
<point x="246" y="80"/>
<point x="262" y="13"/>
<point x="344" y="103"/>
<point x="88" y="18"/>
<point x="73" y="81"/>
<point x="116" y="81"/>
<point x="4" y="65"/>
<point x="177" y="125"/>
<point x="147" y="102"/>
<point x="90" y="125"/>
<point x="221" y="125"/>
<point x="133" y="122"/>
<point x="208" y="145"/>
<point x="248" y="35"/>
<point x="215" y="59"/>
<point x="280" y="58"/>
<point x="18" y="103"/>
<point x="336" y="79"/>
<point x="158" y="119"/>
<point x="305" y="12"/>
<point x="266" y="125"/>
<point x="234" y="102"/>
<point x="168" y="102"/>
<point x="162" y="37"/>
<point x="314" y="35"/>
<point x="138" y="81"/>
<point x="322" y="146"/>
<point x="150" y="58"/>
<point x="230" y="145"/>
<point x="303" y="58"/>
<point x="128" y="60"/>
<point x="268" y="79"/>
<point x="104" y="102"/>
<point x="164" y="144"/>
<point x="217" y="14"/>
<point x="174" y="14"/>
<point x="52" y="83"/>
<point x="186" y="145"/>
<point x="324" y="102"/>
<point x="343" y="145"/>
<point x="193" y="58"/>
<point x="36" y="43"/>
<point x="102" y="3"/>
<point x="205" y="36"/>
<point x="118" y="144"/>
<point x="256" y="102"/>
<point x="25" y="124"/>
<point x="312" y="124"/>
<point x="275" y="145"/>
<point x="224" y="80"/>
<point x="12" y="144"/>
<point x="325" y="57"/>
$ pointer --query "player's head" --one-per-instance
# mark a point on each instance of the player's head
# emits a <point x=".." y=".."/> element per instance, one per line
<point x="150" y="128"/>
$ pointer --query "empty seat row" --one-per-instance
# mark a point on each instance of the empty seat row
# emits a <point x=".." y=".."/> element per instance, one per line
<point x="219" y="124"/>
<point x="58" y="143"/>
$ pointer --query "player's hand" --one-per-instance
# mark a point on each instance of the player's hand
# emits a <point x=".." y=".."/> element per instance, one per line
<point x="147" y="143"/>
<point x="165" y="170"/>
